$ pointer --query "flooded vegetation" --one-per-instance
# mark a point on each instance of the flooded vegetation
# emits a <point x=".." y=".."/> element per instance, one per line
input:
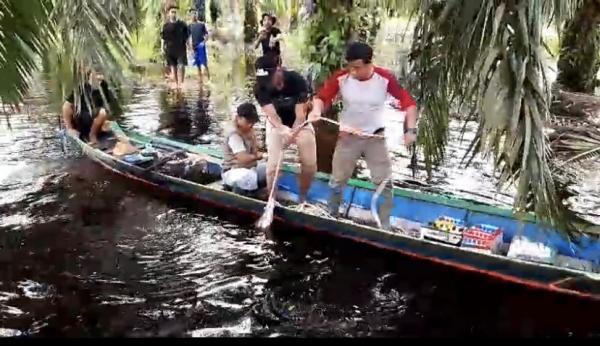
<point x="85" y="252"/>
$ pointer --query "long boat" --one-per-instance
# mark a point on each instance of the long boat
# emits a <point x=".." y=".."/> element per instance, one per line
<point x="574" y="270"/>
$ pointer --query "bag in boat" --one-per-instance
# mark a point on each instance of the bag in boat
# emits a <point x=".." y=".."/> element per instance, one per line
<point x="191" y="170"/>
<point x="486" y="238"/>
<point x="525" y="249"/>
<point x="406" y="227"/>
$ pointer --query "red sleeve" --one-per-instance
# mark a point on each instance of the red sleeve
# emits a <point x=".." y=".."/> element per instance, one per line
<point x="330" y="89"/>
<point x="404" y="98"/>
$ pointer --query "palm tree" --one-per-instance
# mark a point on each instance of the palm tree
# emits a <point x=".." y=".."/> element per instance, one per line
<point x="579" y="60"/>
<point x="250" y="21"/>
<point x="63" y="37"/>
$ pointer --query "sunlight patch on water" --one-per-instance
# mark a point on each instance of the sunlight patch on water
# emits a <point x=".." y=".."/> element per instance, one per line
<point x="244" y="327"/>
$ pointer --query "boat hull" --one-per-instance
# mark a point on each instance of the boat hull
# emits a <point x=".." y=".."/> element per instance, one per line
<point x="533" y="275"/>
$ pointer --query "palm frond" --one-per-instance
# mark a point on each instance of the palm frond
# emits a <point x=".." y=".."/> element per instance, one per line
<point x="491" y="56"/>
<point x="576" y="144"/>
<point x="23" y="25"/>
<point x="88" y="34"/>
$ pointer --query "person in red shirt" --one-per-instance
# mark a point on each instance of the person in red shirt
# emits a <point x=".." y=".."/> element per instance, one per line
<point x="363" y="89"/>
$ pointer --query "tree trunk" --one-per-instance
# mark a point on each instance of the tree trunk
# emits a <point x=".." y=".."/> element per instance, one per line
<point x="250" y="21"/>
<point x="579" y="60"/>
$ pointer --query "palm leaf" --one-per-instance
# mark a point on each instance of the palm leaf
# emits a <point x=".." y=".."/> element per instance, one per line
<point x="88" y="34"/>
<point x="23" y="26"/>
<point x="489" y="55"/>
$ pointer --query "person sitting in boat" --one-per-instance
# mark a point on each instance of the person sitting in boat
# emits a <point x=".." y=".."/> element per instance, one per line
<point x="364" y="89"/>
<point x="241" y="171"/>
<point x="84" y="113"/>
<point x="283" y="96"/>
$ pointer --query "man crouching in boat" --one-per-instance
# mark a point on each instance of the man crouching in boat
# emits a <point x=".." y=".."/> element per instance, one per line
<point x="364" y="89"/>
<point x="84" y="114"/>
<point x="283" y="96"/>
<point x="241" y="171"/>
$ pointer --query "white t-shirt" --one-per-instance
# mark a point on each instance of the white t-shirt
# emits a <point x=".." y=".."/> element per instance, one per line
<point x="236" y="143"/>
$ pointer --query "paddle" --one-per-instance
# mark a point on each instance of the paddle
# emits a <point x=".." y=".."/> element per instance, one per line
<point x="266" y="219"/>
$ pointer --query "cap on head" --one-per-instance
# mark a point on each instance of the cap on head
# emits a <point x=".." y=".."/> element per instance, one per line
<point x="359" y="51"/>
<point x="247" y="111"/>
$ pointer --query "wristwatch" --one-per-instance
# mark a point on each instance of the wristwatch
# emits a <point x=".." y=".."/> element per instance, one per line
<point x="411" y="130"/>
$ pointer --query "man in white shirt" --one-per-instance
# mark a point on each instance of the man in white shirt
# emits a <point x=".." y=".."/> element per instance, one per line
<point x="241" y="170"/>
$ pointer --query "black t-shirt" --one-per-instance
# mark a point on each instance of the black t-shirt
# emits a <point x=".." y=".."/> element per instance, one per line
<point x="294" y="91"/>
<point x="93" y="95"/>
<point x="198" y="31"/>
<point x="175" y="35"/>
<point x="267" y="50"/>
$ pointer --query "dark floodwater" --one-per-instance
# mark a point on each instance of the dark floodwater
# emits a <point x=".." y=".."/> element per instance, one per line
<point x="87" y="253"/>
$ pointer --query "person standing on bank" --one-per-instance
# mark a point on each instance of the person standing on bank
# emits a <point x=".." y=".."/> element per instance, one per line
<point x="269" y="38"/>
<point x="198" y="38"/>
<point x="283" y="96"/>
<point x="174" y="37"/>
<point x="364" y="89"/>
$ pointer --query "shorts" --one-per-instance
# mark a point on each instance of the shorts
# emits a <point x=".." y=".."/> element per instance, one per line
<point x="247" y="179"/>
<point x="307" y="149"/>
<point x="176" y="60"/>
<point x="83" y="123"/>
<point x="200" y="57"/>
<point x="350" y="148"/>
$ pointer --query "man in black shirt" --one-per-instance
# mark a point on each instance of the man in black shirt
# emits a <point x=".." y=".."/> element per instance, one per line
<point x="174" y="39"/>
<point x="283" y="96"/>
<point x="198" y="37"/>
<point x="269" y="38"/>
<point x="84" y="113"/>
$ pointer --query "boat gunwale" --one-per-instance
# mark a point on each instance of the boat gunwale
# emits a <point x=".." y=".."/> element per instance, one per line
<point x="442" y="199"/>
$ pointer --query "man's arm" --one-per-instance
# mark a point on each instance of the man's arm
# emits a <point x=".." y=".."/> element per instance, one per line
<point x="246" y="159"/>
<point x="325" y="96"/>
<point x="302" y="101"/>
<point x="67" y="112"/>
<point x="236" y="144"/>
<point x="261" y="36"/>
<point x="272" y="116"/>
<point x="162" y="39"/>
<point x="406" y="103"/>
<point x="300" y="111"/>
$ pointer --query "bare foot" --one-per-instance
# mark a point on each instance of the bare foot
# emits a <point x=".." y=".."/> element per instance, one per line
<point x="93" y="141"/>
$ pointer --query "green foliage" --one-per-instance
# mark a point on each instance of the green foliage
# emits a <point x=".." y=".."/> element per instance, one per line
<point x="329" y="31"/>
<point x="23" y="33"/>
<point x="250" y="21"/>
<point x="64" y="37"/>
<point x="88" y="34"/>
<point x="489" y="54"/>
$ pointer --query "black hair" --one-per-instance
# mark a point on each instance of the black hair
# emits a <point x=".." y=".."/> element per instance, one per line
<point x="359" y="51"/>
<point x="248" y="111"/>
<point x="273" y="20"/>
<point x="262" y="18"/>
<point x="172" y="7"/>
